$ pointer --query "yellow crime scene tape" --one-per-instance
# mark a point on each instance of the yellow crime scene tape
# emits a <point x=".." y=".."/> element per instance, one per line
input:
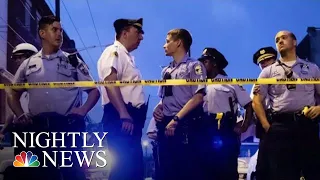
<point x="170" y="82"/>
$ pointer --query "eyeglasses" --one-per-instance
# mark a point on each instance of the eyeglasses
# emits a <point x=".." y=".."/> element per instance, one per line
<point x="167" y="89"/>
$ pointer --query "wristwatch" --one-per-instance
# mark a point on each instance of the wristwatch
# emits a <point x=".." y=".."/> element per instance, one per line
<point x="176" y="118"/>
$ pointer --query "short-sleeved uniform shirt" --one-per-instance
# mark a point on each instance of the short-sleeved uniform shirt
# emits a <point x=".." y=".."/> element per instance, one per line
<point x="188" y="68"/>
<point x="217" y="97"/>
<point x="117" y="56"/>
<point x="52" y="68"/>
<point x="283" y="99"/>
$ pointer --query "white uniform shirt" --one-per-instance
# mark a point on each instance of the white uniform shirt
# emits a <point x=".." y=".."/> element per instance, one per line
<point x="117" y="56"/>
<point x="152" y="128"/>
<point x="216" y="99"/>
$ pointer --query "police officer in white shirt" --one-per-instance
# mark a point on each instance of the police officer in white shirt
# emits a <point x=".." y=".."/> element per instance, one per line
<point x="221" y="105"/>
<point x="53" y="109"/>
<point x="124" y="107"/>
<point x="19" y="54"/>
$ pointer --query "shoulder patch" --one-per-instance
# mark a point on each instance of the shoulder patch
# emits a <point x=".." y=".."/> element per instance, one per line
<point x="83" y="69"/>
<point x="198" y="69"/>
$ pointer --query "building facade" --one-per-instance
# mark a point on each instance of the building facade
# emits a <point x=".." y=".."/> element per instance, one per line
<point x="309" y="47"/>
<point x="18" y="24"/>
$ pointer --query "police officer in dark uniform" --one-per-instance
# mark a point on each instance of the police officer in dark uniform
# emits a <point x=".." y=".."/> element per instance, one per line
<point x="264" y="57"/>
<point x="53" y="109"/>
<point x="125" y="107"/>
<point x="291" y="141"/>
<point x="223" y="131"/>
<point x="182" y="111"/>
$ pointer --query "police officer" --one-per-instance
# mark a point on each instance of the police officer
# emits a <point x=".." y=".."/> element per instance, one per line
<point x="55" y="109"/>
<point x="221" y="103"/>
<point x="124" y="107"/>
<point x="263" y="57"/>
<point x="291" y="139"/>
<point x="182" y="110"/>
<point x="19" y="54"/>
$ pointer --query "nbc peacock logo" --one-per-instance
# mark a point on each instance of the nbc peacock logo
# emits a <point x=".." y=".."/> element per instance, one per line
<point x="26" y="160"/>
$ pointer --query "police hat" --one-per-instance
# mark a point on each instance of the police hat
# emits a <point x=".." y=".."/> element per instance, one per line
<point x="214" y="55"/>
<point x="263" y="54"/>
<point x="119" y="24"/>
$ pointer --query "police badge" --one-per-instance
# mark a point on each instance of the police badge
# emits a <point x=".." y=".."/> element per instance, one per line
<point x="304" y="69"/>
<point x="83" y="69"/>
<point x="198" y="69"/>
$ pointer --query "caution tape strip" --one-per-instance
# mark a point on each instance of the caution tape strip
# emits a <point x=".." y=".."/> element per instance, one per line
<point x="170" y="82"/>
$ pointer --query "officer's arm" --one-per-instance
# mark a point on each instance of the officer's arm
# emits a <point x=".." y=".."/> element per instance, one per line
<point x="93" y="92"/>
<point x="115" y="96"/>
<point x="110" y="68"/>
<point x="13" y="95"/>
<point x="197" y="72"/>
<point x="245" y="101"/>
<point x="259" y="94"/>
<point x="259" y="110"/>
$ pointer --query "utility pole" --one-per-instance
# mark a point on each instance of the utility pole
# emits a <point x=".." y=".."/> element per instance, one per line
<point x="58" y="8"/>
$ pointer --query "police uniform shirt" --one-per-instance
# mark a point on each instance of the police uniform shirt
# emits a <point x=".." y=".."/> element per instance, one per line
<point x="52" y="68"/>
<point x="188" y="68"/>
<point x="117" y="56"/>
<point x="293" y="100"/>
<point x="152" y="128"/>
<point x="217" y="97"/>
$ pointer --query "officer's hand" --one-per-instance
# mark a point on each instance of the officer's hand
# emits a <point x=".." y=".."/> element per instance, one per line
<point x="238" y="128"/>
<point x="158" y="113"/>
<point x="171" y="127"/>
<point x="78" y="111"/>
<point x="313" y="112"/>
<point x="127" y="126"/>
<point x="266" y="127"/>
<point x="23" y="120"/>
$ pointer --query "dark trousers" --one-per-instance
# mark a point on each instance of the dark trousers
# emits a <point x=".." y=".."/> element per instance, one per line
<point x="126" y="150"/>
<point x="155" y="154"/>
<point x="222" y="158"/>
<point x="223" y="148"/>
<point x="180" y="157"/>
<point x="52" y="122"/>
<point x="290" y="146"/>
